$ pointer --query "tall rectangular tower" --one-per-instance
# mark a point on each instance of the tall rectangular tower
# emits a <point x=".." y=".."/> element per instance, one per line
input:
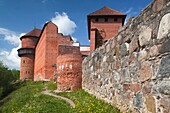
<point x="103" y="24"/>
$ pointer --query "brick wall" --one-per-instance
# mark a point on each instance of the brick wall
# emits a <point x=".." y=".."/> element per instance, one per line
<point x="110" y="28"/>
<point x="68" y="50"/>
<point x="27" y="67"/>
<point x="101" y="31"/>
<point x="29" y="42"/>
<point x="69" y="72"/>
<point x="40" y="52"/>
<point x="47" y="51"/>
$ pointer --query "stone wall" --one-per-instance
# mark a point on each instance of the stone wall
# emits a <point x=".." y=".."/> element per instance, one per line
<point x="132" y="70"/>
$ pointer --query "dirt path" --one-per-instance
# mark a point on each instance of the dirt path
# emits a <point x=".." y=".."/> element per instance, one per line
<point x="47" y="92"/>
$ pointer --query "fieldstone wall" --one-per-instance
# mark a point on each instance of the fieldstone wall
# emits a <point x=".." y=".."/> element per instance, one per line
<point x="132" y="70"/>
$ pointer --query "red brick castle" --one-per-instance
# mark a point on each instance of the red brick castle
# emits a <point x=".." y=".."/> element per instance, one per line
<point x="49" y="55"/>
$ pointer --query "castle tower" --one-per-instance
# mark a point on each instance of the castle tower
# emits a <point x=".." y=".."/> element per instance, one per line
<point x="27" y="54"/>
<point x="69" y="68"/>
<point x="103" y="24"/>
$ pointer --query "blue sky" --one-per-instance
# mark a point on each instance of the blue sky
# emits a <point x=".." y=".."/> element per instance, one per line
<point x="21" y="16"/>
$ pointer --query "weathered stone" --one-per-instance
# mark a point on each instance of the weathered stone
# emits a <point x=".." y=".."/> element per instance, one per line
<point x="164" y="26"/>
<point x="150" y="103"/>
<point x="145" y="36"/>
<point x="123" y="108"/>
<point x="113" y="52"/>
<point x="116" y="76"/>
<point x="120" y="39"/>
<point x="107" y="47"/>
<point x="138" y="101"/>
<point x="125" y="77"/>
<point x="164" y="87"/>
<point x="133" y="45"/>
<point x="123" y="50"/>
<point x="103" y="48"/>
<point x="145" y="71"/>
<point x="127" y="38"/>
<point x="135" y="87"/>
<point x="90" y="62"/>
<point x="124" y="61"/>
<point x="142" y="55"/>
<point x="165" y="103"/>
<point x="165" y="47"/>
<point x="158" y="5"/>
<point x="126" y="87"/>
<point x="132" y="58"/>
<point x="114" y="42"/>
<point x="154" y="50"/>
<point x="104" y="59"/>
<point x="114" y="101"/>
<point x="127" y="46"/>
<point x="164" y="69"/>
<point x="146" y="88"/>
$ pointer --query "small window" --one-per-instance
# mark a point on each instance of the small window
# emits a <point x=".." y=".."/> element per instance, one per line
<point x="106" y="19"/>
<point x="96" y="20"/>
<point x="115" y="19"/>
<point x="23" y="61"/>
<point x="25" y="72"/>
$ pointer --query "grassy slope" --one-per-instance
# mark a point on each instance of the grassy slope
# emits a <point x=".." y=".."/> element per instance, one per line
<point x="28" y="99"/>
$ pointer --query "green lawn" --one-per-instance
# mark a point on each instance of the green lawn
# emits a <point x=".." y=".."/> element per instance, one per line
<point x="27" y="98"/>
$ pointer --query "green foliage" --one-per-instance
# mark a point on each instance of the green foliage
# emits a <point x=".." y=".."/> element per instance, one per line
<point x="6" y="78"/>
<point x="15" y="74"/>
<point x="29" y="99"/>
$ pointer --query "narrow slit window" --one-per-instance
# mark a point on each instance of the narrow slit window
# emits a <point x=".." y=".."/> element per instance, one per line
<point x="106" y="19"/>
<point x="96" y="20"/>
<point x="115" y="19"/>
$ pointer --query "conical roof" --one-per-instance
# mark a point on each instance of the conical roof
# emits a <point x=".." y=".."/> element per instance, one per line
<point x="106" y="11"/>
<point x="35" y="32"/>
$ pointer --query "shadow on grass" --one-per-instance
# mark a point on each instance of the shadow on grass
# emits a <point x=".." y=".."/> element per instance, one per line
<point x="15" y="85"/>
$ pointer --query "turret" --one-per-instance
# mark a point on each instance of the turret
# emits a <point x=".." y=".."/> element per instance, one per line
<point x="27" y="54"/>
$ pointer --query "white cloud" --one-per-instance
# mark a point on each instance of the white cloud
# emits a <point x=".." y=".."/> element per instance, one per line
<point x="64" y="23"/>
<point x="10" y="36"/>
<point x="10" y="58"/>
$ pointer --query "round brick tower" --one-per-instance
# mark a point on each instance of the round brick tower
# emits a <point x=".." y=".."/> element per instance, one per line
<point x="27" y="54"/>
<point x="69" y="72"/>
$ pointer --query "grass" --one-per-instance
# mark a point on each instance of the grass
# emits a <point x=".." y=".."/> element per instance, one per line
<point x="27" y="98"/>
<point x="86" y="103"/>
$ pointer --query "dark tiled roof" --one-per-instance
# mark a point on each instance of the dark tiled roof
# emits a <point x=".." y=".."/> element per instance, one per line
<point x="105" y="11"/>
<point x="34" y="32"/>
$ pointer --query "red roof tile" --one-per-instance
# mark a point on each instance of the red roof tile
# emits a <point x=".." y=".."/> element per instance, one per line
<point x="105" y="11"/>
<point x="34" y="32"/>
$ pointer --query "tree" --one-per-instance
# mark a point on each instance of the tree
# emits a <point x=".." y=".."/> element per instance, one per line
<point x="6" y="77"/>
